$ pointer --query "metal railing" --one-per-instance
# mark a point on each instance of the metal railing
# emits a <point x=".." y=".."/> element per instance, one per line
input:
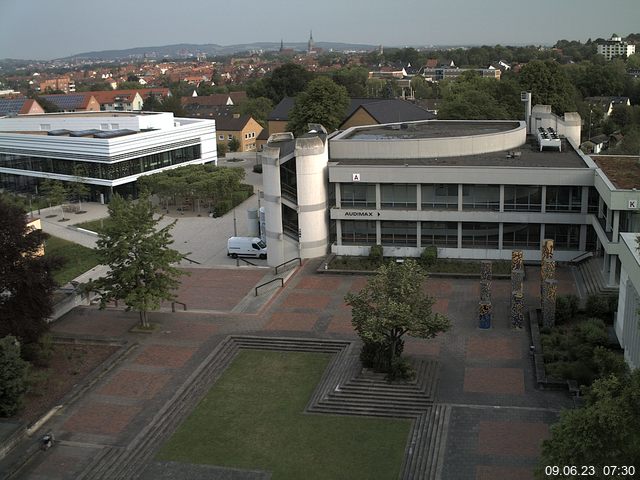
<point x="173" y="306"/>
<point x="289" y="261"/>
<point x="270" y="281"/>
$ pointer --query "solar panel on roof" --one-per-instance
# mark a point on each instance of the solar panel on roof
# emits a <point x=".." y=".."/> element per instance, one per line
<point x="65" y="102"/>
<point x="11" y="106"/>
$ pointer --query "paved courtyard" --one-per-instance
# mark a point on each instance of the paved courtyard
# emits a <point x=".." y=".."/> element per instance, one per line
<point x="498" y="417"/>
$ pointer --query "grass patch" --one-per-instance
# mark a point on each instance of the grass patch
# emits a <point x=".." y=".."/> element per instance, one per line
<point x="253" y="419"/>
<point x="78" y="259"/>
<point x="94" y="225"/>
<point x="441" y="265"/>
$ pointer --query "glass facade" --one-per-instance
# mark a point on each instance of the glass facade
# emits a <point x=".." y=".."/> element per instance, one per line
<point x="480" y="235"/>
<point x="402" y="234"/>
<point x="564" y="199"/>
<point x="358" y="232"/>
<point x="481" y="197"/>
<point x="441" y="234"/>
<point x="521" y="198"/>
<point x="400" y="195"/>
<point x="565" y="237"/>
<point x="521" y="235"/>
<point x="440" y="197"/>
<point x="101" y="170"/>
<point x="358" y="195"/>
<point x="289" y="180"/>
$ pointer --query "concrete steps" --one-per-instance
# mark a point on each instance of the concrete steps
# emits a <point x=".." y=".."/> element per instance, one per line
<point x="592" y="277"/>
<point x="424" y="456"/>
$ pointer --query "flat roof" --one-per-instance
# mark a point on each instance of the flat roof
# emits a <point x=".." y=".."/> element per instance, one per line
<point x="430" y="129"/>
<point x="527" y="155"/>
<point x="622" y="170"/>
<point x="102" y="113"/>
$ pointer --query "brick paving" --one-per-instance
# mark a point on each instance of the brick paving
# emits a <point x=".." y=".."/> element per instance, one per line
<point x="479" y="370"/>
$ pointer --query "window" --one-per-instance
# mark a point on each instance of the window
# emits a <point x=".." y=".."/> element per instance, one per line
<point x="220" y="137"/>
<point x="104" y="126"/>
<point x="521" y="198"/>
<point x="402" y="234"/>
<point x="229" y="137"/>
<point x="440" y="234"/>
<point x="402" y="196"/>
<point x="480" y="235"/>
<point x="564" y="199"/>
<point x="565" y="237"/>
<point x="440" y="197"/>
<point x="481" y="197"/>
<point x="45" y="126"/>
<point x="358" y="195"/>
<point x="358" y="232"/>
<point x="521" y="235"/>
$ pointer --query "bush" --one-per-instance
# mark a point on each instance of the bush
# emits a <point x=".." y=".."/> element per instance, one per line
<point x="601" y="306"/>
<point x="238" y="197"/>
<point x="401" y="369"/>
<point x="429" y="256"/>
<point x="222" y="207"/>
<point x="222" y="149"/>
<point x="39" y="353"/>
<point x="566" y="308"/>
<point x="376" y="253"/>
<point x="608" y="362"/>
<point x="13" y="376"/>
<point x="257" y="168"/>
<point x="592" y="331"/>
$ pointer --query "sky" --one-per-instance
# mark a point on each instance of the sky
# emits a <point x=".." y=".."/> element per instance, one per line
<point x="43" y="30"/>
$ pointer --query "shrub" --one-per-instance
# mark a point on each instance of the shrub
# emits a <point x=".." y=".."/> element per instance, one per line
<point x="429" y="256"/>
<point x="608" y="362"/>
<point x="566" y="308"/>
<point x="600" y="306"/>
<point x="13" y="376"/>
<point x="222" y="149"/>
<point x="39" y="353"/>
<point x="223" y="206"/>
<point x="592" y="331"/>
<point x="238" y="197"/>
<point x="401" y="369"/>
<point x="376" y="253"/>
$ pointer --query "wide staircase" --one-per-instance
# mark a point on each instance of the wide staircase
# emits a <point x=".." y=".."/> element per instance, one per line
<point x="345" y="389"/>
<point x="592" y="278"/>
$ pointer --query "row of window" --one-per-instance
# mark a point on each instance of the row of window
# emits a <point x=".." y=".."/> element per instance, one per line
<point x="105" y="171"/>
<point x="517" y="198"/>
<point x="445" y="234"/>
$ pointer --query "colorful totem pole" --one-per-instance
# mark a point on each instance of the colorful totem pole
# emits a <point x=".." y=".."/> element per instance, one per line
<point x="485" y="307"/>
<point x="517" y="289"/>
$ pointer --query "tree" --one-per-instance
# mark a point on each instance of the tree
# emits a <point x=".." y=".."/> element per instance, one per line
<point x="285" y="81"/>
<point x="392" y="304"/>
<point x="258" y="108"/>
<point x="26" y="282"/>
<point x="222" y="149"/>
<point x="354" y="79"/>
<point x="141" y="271"/>
<point x="13" y="376"/>
<point x="55" y="193"/>
<point x="322" y="102"/>
<point x="47" y="105"/>
<point x="604" y="432"/>
<point x="78" y="188"/>
<point x="234" y="144"/>
<point x="549" y="85"/>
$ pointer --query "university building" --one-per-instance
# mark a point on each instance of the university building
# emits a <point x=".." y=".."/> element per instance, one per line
<point x="109" y="151"/>
<point x="474" y="189"/>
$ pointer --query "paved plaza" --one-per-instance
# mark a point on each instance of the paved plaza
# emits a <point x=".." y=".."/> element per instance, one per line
<point x="498" y="417"/>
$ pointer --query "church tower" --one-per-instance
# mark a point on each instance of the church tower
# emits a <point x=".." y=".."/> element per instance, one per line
<point x="311" y="45"/>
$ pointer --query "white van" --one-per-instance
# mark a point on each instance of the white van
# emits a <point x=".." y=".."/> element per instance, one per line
<point x="246" y="246"/>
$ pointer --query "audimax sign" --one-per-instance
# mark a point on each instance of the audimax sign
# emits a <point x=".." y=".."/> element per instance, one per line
<point x="361" y="213"/>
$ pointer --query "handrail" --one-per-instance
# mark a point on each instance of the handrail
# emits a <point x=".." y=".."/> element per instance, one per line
<point x="173" y="306"/>
<point x="580" y="258"/>
<point x="289" y="261"/>
<point x="270" y="281"/>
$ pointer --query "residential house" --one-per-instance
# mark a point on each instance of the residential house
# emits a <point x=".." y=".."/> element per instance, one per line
<point x="61" y="83"/>
<point x="608" y="103"/>
<point x="241" y="127"/>
<point x="74" y="102"/>
<point x="19" y="106"/>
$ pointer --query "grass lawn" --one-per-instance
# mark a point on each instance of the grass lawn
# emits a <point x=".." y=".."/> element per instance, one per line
<point x="253" y="419"/>
<point x="93" y="225"/>
<point x="79" y="259"/>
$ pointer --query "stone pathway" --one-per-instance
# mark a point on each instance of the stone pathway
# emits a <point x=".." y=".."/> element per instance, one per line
<point x="486" y="418"/>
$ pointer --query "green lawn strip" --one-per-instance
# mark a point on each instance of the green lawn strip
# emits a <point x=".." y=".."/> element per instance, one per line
<point x="93" y="225"/>
<point x="253" y="419"/>
<point x="78" y="259"/>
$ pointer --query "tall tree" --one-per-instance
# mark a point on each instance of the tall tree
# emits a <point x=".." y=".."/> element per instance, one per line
<point x="322" y="102"/>
<point x="259" y="109"/>
<point x="55" y="193"/>
<point x="13" y="376"/>
<point x="354" y="79"/>
<point x="604" y="432"/>
<point x="140" y="260"/>
<point x="285" y="81"/>
<point x="78" y="188"/>
<point x="26" y="281"/>
<point x="391" y="305"/>
<point x="549" y="85"/>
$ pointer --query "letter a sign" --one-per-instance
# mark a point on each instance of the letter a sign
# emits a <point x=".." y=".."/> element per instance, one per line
<point x="356" y="177"/>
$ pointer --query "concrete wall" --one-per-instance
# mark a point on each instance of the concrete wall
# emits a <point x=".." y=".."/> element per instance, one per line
<point x="626" y="324"/>
<point x="272" y="203"/>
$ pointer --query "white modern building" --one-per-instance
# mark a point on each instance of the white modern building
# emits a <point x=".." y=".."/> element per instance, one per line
<point x="112" y="150"/>
<point x="615" y="47"/>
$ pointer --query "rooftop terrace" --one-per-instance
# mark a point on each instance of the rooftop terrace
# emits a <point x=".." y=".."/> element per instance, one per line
<point x="622" y="171"/>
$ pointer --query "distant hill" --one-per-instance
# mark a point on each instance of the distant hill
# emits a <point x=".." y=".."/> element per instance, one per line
<point x="189" y="49"/>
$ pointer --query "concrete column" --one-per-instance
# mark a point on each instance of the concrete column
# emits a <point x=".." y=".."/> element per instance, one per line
<point x="338" y="196"/>
<point x="600" y="205"/>
<point x="584" y="207"/>
<point x="378" y="233"/>
<point x="339" y="232"/>
<point x="459" y="197"/>
<point x="378" y="197"/>
<point x="418" y="198"/>
<point x="543" y="199"/>
<point x="459" y="234"/>
<point x="613" y="266"/>
<point x="606" y="259"/>
<point x="272" y="205"/>
<point x="500" y="234"/>
<point x="609" y="220"/>
<point x="501" y="207"/>
<point x="418" y="236"/>
<point x="616" y="225"/>
<point x="583" y="238"/>
<point x="542" y="233"/>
